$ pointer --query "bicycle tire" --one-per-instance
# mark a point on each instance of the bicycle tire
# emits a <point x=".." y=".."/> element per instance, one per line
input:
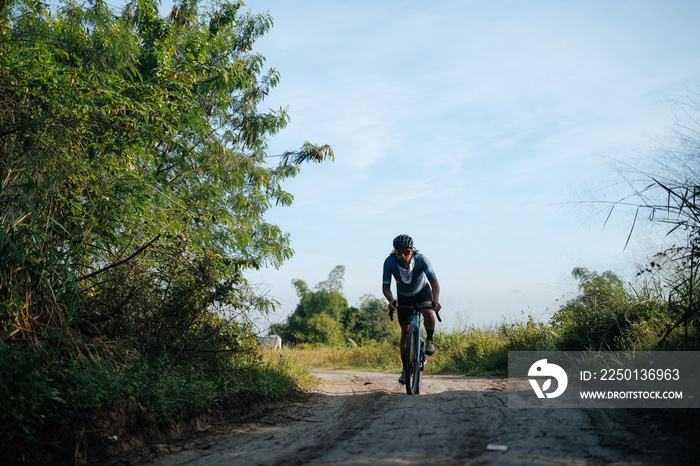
<point x="418" y="369"/>
<point x="412" y="367"/>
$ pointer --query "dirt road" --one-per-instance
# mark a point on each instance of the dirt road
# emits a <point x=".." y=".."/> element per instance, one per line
<point x="366" y="418"/>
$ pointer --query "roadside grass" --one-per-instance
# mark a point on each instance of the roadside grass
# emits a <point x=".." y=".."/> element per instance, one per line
<point x="467" y="351"/>
<point x="472" y="351"/>
<point x="476" y="353"/>
<point x="371" y="357"/>
<point x="34" y="402"/>
<point x="285" y="365"/>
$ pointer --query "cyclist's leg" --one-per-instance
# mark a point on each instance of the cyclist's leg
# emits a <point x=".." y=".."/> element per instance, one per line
<point x="425" y="298"/>
<point x="402" y="344"/>
<point x="428" y="317"/>
<point x="429" y="322"/>
<point x="404" y="317"/>
<point x="402" y="352"/>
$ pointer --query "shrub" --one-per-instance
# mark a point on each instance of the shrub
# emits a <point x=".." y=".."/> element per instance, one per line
<point x="471" y="352"/>
<point x="529" y="336"/>
<point x="593" y="319"/>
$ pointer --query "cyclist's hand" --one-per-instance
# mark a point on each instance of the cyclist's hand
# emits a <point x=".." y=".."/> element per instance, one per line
<point x="437" y="306"/>
<point x="392" y="307"/>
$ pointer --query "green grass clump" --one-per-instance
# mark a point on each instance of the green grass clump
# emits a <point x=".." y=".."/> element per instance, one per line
<point x="473" y="351"/>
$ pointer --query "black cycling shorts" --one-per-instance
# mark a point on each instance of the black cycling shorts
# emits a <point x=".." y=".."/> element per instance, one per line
<point x="424" y="295"/>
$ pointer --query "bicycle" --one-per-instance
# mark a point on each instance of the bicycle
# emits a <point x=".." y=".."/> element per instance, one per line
<point x="415" y="349"/>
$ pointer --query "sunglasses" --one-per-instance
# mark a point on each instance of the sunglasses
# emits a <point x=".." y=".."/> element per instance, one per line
<point x="404" y="252"/>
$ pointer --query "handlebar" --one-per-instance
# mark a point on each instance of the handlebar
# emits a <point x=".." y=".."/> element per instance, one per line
<point x="416" y="307"/>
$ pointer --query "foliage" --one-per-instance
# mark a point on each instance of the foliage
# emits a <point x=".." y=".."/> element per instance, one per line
<point x="647" y="317"/>
<point x="323" y="316"/>
<point x="667" y="191"/>
<point x="603" y="315"/>
<point x="26" y="394"/>
<point x="529" y="336"/>
<point x="606" y="316"/>
<point x="677" y="269"/>
<point x="134" y="145"/>
<point x="472" y="351"/>
<point x="35" y="400"/>
<point x="134" y="182"/>
<point x="369" y="322"/>
<point x="484" y="351"/>
<point x="594" y="318"/>
<point x="317" y="317"/>
<point x="290" y="368"/>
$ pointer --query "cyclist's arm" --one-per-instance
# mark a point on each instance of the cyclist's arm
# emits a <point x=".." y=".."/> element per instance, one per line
<point x="386" y="281"/>
<point x="386" y="290"/>
<point x="435" y="287"/>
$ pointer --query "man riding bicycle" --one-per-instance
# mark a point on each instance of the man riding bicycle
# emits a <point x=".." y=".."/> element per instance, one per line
<point x="416" y="283"/>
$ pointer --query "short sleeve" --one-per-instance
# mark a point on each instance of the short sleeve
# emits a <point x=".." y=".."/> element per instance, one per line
<point x="429" y="272"/>
<point x="386" y="275"/>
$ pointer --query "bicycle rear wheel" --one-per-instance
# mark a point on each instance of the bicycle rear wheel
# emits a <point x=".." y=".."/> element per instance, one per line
<point x="412" y="367"/>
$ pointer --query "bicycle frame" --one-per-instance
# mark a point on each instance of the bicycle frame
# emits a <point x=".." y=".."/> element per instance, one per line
<point x="415" y="350"/>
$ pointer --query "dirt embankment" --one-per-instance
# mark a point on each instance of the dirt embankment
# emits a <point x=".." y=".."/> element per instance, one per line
<point x="367" y="418"/>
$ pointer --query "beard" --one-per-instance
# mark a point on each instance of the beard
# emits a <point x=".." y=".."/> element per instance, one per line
<point x="403" y="262"/>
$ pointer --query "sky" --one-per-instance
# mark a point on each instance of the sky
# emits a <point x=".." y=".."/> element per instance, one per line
<point x="480" y="128"/>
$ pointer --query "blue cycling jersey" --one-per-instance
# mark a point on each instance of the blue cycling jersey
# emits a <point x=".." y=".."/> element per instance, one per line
<point x="410" y="281"/>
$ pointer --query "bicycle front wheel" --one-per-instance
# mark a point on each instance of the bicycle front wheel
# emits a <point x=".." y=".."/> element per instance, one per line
<point x="412" y="367"/>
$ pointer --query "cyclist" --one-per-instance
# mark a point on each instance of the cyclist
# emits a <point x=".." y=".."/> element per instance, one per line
<point x="416" y="283"/>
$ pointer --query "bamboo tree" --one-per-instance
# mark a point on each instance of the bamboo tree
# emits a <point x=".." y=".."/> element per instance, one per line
<point x="133" y="155"/>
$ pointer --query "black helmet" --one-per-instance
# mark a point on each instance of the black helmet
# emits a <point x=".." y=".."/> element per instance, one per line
<point x="403" y="242"/>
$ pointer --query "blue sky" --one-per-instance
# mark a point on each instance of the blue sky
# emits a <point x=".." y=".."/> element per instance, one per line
<point x="475" y="127"/>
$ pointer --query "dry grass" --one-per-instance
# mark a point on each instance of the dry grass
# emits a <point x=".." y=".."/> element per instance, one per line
<point x="379" y="357"/>
<point x="467" y="351"/>
<point x="470" y="351"/>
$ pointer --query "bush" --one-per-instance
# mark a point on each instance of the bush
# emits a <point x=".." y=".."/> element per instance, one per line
<point x="471" y="352"/>
<point x="27" y="396"/>
<point x="595" y="318"/>
<point x="529" y="336"/>
<point x="646" y="321"/>
<point x="36" y="397"/>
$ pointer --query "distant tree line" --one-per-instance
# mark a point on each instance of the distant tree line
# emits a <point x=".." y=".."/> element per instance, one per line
<point x="323" y="316"/>
<point x="605" y="314"/>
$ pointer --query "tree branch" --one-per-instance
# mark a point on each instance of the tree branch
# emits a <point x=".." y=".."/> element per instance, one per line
<point x="118" y="263"/>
